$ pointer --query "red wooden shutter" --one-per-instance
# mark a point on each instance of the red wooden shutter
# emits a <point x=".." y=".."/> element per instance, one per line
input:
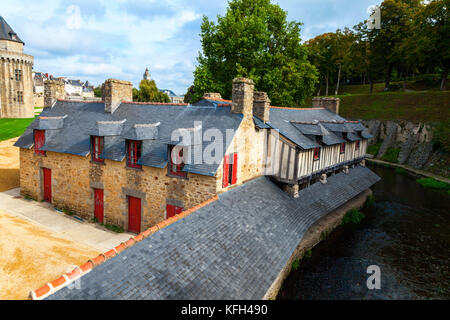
<point x="170" y="211"/>
<point x="234" y="173"/>
<point x="47" y="184"/>
<point x="178" y="210"/>
<point x="98" y="204"/>
<point x="226" y="174"/>
<point x="39" y="140"/>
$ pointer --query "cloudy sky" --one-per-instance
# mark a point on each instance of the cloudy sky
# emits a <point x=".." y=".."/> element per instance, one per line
<point x="99" y="39"/>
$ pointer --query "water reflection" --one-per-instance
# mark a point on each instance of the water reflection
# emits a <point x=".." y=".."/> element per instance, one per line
<point x="406" y="232"/>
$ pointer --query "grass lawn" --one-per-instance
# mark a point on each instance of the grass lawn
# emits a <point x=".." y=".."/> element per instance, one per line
<point x="10" y="128"/>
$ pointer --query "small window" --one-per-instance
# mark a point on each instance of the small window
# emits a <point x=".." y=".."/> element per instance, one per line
<point x="39" y="140"/>
<point x="342" y="147"/>
<point x="97" y="148"/>
<point x="172" y="210"/>
<point x="230" y="163"/>
<point x="357" y="145"/>
<point x="134" y="149"/>
<point x="20" y="96"/>
<point x="316" y="154"/>
<point x="176" y="162"/>
<point x="18" y="74"/>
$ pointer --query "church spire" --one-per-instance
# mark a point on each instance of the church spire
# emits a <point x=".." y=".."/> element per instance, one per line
<point x="146" y="74"/>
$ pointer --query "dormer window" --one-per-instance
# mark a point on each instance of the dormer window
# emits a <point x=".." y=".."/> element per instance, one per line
<point x="39" y="140"/>
<point x="342" y="148"/>
<point x="134" y="151"/>
<point x="176" y="161"/>
<point x="97" y="148"/>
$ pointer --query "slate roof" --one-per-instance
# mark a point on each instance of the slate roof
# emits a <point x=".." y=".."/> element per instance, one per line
<point x="7" y="33"/>
<point x="233" y="248"/>
<point x="301" y="125"/>
<point x="82" y="121"/>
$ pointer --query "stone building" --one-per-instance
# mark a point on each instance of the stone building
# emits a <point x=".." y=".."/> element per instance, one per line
<point x="174" y="98"/>
<point x="136" y="164"/>
<point x="16" y="83"/>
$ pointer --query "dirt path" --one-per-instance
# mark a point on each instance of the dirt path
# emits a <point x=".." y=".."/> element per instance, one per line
<point x="9" y="165"/>
<point x="32" y="256"/>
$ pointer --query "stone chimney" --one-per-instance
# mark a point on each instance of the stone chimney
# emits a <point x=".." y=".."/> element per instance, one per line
<point x="212" y="96"/>
<point x="261" y="106"/>
<point x="116" y="91"/>
<point x="242" y="96"/>
<point x="331" y="104"/>
<point x="53" y="90"/>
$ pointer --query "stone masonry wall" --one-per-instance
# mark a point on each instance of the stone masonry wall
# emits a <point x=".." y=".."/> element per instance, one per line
<point x="74" y="177"/>
<point x="53" y="90"/>
<point x="10" y="106"/>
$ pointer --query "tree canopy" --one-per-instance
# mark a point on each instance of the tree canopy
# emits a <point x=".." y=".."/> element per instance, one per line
<point x="148" y="92"/>
<point x="255" y="40"/>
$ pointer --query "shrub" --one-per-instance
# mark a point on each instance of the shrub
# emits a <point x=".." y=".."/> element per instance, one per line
<point x="114" y="228"/>
<point x="295" y="265"/>
<point x="354" y="216"/>
<point x="374" y="148"/>
<point x="441" y="135"/>
<point x="391" y="155"/>
<point x="400" y="170"/>
<point x="370" y="200"/>
<point x="434" y="184"/>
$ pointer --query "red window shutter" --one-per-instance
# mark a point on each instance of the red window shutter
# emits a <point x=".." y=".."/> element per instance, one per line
<point x="226" y="174"/>
<point x="39" y="140"/>
<point x="234" y="173"/>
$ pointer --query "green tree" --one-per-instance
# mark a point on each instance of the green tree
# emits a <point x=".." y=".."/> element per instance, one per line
<point x="431" y="36"/>
<point x="148" y="92"/>
<point x="255" y="40"/>
<point x="98" y="91"/>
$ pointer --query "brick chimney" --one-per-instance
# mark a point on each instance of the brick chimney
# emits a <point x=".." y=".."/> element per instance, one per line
<point x="331" y="104"/>
<point x="212" y="96"/>
<point x="53" y="90"/>
<point x="242" y="96"/>
<point x="116" y="91"/>
<point x="261" y="106"/>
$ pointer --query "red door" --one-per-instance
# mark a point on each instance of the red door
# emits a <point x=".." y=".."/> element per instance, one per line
<point x="47" y="184"/>
<point x="98" y="204"/>
<point x="172" y="210"/>
<point x="134" y="214"/>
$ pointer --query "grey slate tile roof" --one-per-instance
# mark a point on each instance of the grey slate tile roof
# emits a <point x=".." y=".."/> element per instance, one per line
<point x="85" y="119"/>
<point x="233" y="248"/>
<point x="6" y="32"/>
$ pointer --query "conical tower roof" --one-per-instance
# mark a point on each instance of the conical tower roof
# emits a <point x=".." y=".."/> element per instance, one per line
<point x="7" y="33"/>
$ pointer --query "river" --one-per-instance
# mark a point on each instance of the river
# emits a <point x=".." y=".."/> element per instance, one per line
<point x="406" y="233"/>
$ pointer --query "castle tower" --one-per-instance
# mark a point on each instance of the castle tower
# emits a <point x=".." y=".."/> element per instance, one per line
<point x="146" y="74"/>
<point x="16" y="81"/>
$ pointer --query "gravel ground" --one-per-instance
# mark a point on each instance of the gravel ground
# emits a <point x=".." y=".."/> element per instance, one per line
<point x="31" y="256"/>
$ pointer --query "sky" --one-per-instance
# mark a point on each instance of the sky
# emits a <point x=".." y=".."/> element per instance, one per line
<point x="99" y="39"/>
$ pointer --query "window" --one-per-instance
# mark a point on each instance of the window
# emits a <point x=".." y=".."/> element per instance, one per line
<point x="39" y="140"/>
<point x="230" y="163"/>
<point x="134" y="149"/>
<point x="97" y="148"/>
<point x="342" y="147"/>
<point x="357" y="145"/>
<point x="18" y="74"/>
<point x="20" y="96"/>
<point x="316" y="154"/>
<point x="176" y="162"/>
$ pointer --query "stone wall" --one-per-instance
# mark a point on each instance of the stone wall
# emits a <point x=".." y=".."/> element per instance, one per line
<point x="74" y="179"/>
<point x="11" y="60"/>
<point x="116" y="91"/>
<point x="53" y="90"/>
